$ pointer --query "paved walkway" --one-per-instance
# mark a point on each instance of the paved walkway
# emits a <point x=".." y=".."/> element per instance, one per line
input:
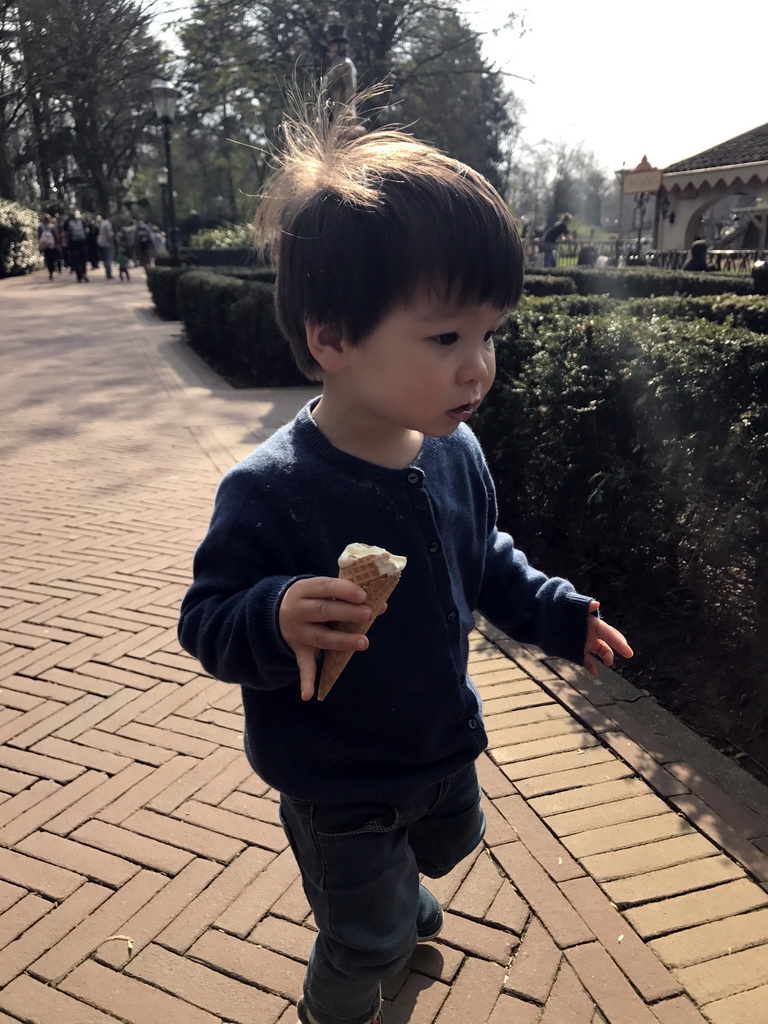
<point x="143" y="873"/>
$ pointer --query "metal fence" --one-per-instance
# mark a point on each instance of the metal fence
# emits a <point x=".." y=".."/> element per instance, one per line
<point x="729" y="261"/>
<point x="616" y="251"/>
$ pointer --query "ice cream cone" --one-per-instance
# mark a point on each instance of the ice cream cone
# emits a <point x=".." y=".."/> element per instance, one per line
<point x="366" y="574"/>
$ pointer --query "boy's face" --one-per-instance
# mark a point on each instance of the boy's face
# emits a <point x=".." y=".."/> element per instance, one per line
<point x="425" y="367"/>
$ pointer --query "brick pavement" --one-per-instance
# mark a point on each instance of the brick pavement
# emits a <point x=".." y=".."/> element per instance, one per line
<point x="143" y="872"/>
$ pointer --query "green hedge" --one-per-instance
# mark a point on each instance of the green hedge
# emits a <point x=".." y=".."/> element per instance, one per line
<point x="639" y="282"/>
<point x="231" y="324"/>
<point x="19" y="253"/>
<point x="748" y="311"/>
<point x="548" y="284"/>
<point x="162" y="281"/>
<point x="632" y="456"/>
<point x="211" y="257"/>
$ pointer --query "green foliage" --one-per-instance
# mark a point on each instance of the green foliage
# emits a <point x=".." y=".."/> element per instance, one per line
<point x="546" y="284"/>
<point x="162" y="282"/>
<point x="241" y="58"/>
<point x="748" y="311"/>
<point x="567" y="304"/>
<point x="75" y="104"/>
<point x="239" y="237"/>
<point x="633" y="455"/>
<point x="644" y="282"/>
<point x="447" y="91"/>
<point x="19" y="253"/>
<point x="231" y="324"/>
<point x="212" y="258"/>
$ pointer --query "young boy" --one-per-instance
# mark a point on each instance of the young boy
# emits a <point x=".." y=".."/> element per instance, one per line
<point x="122" y="264"/>
<point x="396" y="265"/>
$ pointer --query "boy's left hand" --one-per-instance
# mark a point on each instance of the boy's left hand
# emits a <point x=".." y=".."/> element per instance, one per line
<point x="602" y="640"/>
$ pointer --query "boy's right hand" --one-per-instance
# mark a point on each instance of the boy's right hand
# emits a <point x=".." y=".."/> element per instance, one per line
<point x="305" y="611"/>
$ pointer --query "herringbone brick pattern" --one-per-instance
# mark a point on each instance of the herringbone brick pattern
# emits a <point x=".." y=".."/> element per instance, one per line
<point x="143" y="872"/>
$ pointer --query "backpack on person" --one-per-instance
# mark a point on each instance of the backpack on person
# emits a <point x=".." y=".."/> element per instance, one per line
<point x="47" y="240"/>
<point x="143" y="236"/>
<point x="76" y="230"/>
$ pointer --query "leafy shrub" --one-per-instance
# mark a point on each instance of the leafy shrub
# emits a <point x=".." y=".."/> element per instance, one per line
<point x="547" y="284"/>
<point x="639" y="282"/>
<point x="633" y="454"/>
<point x="238" y="236"/>
<point x="19" y="253"/>
<point x="264" y="356"/>
<point x="231" y="324"/>
<point x="565" y="305"/>
<point x="748" y="311"/>
<point x="162" y="282"/>
<point x="267" y="275"/>
<point x="240" y="257"/>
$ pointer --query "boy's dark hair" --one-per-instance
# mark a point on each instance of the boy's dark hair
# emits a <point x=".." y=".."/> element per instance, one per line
<point x="358" y="224"/>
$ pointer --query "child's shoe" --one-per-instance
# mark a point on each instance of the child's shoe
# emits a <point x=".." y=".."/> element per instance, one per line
<point x="305" y="1017"/>
<point x="429" y="919"/>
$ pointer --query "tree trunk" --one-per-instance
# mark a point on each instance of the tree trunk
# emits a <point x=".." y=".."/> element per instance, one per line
<point x="7" y="180"/>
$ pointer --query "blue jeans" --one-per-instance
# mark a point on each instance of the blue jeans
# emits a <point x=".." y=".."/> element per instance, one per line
<point x="360" y="867"/>
<point x="550" y="253"/>
<point x="108" y="256"/>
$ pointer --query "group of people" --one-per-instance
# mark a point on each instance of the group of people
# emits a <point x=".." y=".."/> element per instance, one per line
<point x="79" y="240"/>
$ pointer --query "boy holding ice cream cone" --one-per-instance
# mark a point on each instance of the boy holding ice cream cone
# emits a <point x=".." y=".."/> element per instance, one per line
<point x="395" y="266"/>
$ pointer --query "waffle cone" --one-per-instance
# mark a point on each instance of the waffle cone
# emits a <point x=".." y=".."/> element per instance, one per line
<point x="364" y="573"/>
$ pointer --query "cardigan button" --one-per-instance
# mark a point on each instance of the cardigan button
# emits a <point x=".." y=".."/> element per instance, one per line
<point x="472" y="723"/>
<point x="451" y="616"/>
<point x="413" y="478"/>
<point x="433" y="548"/>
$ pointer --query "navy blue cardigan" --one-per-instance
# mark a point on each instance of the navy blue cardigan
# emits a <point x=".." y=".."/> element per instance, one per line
<point x="404" y="713"/>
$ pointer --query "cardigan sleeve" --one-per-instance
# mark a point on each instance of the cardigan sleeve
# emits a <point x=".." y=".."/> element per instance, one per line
<point x="229" y="616"/>
<point x="530" y="606"/>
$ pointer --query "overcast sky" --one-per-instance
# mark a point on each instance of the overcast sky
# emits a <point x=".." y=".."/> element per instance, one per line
<point x="666" y="78"/>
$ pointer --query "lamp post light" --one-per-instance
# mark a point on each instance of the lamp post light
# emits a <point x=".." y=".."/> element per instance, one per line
<point x="162" y="181"/>
<point x="164" y="97"/>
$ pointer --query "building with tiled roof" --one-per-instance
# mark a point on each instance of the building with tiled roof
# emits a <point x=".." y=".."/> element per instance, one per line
<point x="689" y="187"/>
<point x="748" y="148"/>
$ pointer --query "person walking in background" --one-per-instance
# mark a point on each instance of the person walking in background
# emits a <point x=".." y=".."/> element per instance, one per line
<point x="106" y="241"/>
<point x="559" y="231"/>
<point x="48" y="244"/>
<point x="144" y="244"/>
<point x="128" y="239"/>
<point x="77" y="235"/>
<point x="92" y="242"/>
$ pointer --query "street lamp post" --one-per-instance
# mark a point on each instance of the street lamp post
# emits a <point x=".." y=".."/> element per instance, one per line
<point x="162" y="181"/>
<point x="164" y="97"/>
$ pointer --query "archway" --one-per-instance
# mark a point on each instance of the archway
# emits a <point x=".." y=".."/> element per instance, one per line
<point x="693" y="186"/>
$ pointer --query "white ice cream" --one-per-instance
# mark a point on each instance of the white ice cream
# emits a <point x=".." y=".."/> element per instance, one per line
<point x="387" y="564"/>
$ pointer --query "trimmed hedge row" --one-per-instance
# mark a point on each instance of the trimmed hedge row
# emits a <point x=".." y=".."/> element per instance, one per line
<point x="231" y="323"/>
<point x="162" y="282"/>
<point x="210" y="257"/>
<point x="639" y="282"/>
<point x="632" y="456"/>
<point x="748" y="311"/>
<point x="547" y="284"/>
